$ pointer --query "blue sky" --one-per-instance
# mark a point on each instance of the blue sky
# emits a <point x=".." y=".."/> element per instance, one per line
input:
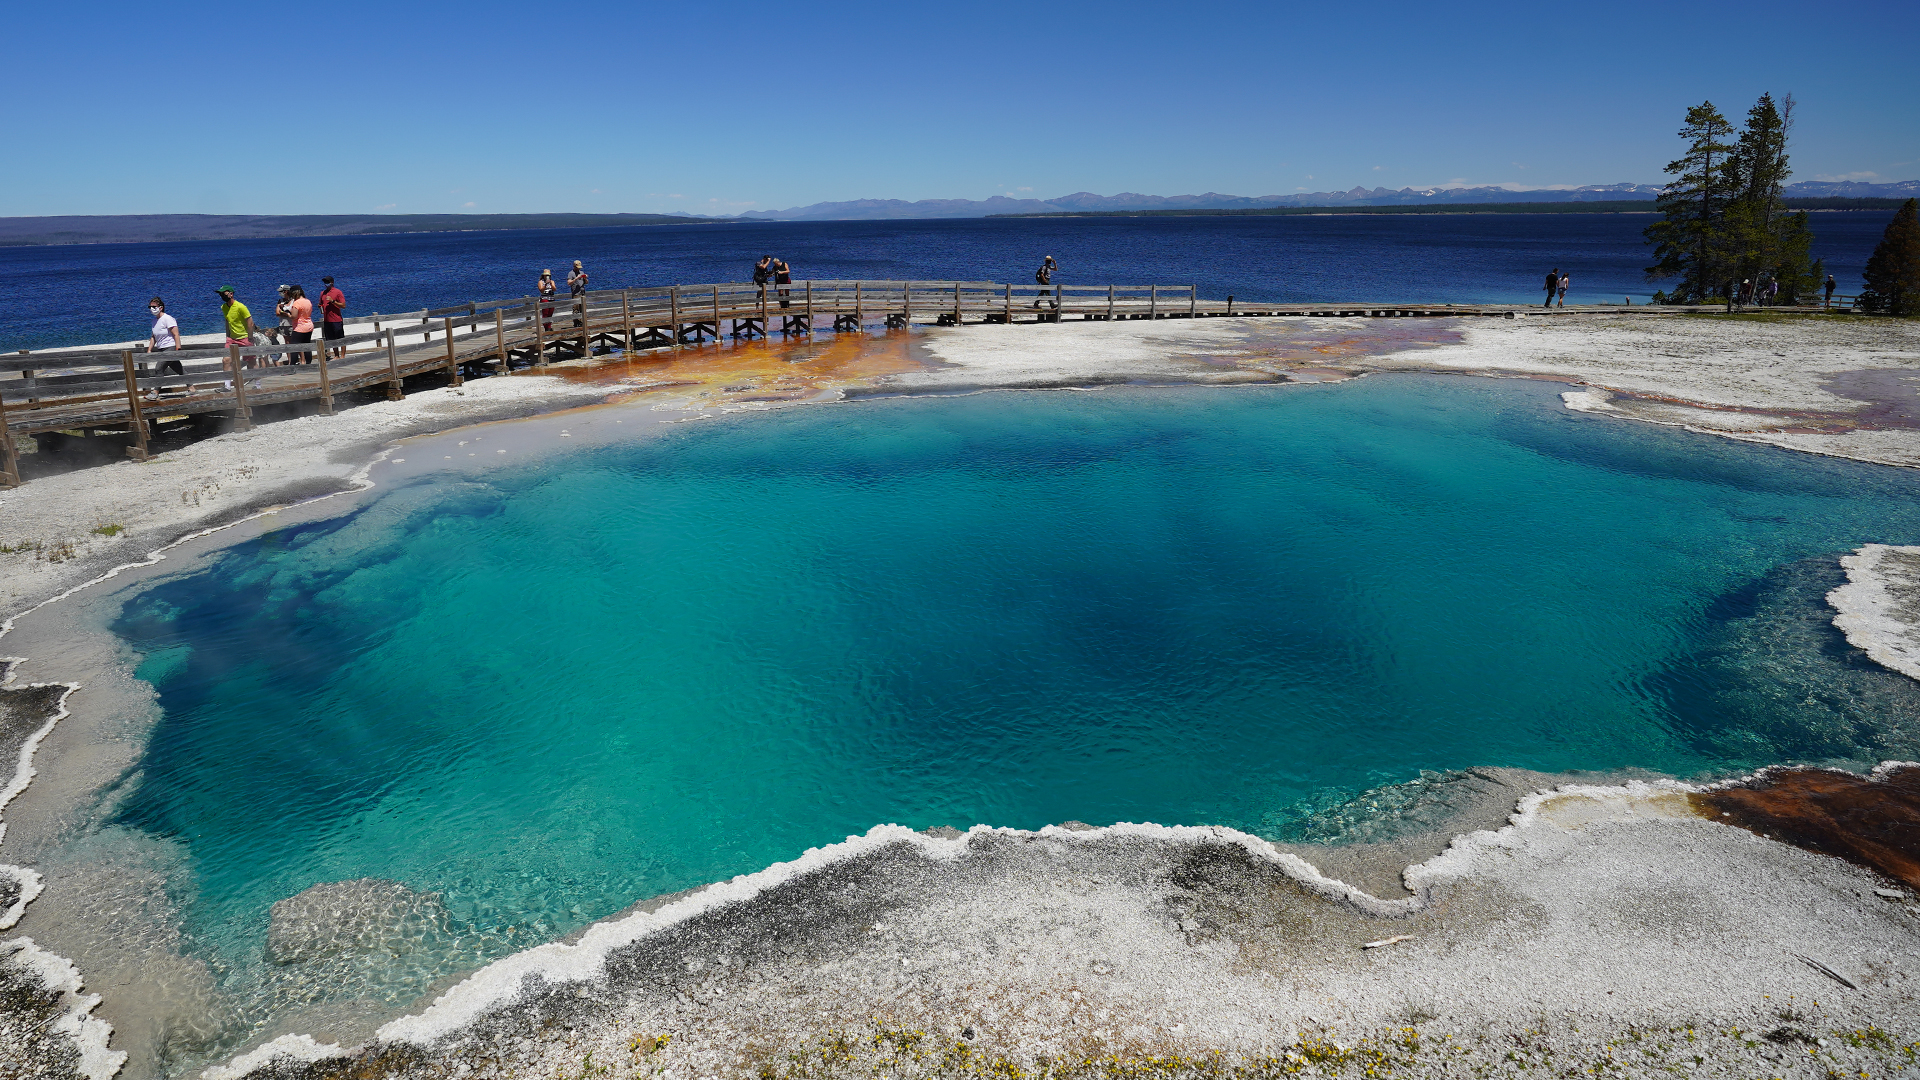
<point x="425" y="108"/>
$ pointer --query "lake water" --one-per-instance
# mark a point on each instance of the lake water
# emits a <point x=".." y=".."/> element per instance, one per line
<point x="52" y="296"/>
<point x="548" y="690"/>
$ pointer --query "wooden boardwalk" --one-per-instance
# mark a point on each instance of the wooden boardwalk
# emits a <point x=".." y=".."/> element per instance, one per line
<point x="119" y="392"/>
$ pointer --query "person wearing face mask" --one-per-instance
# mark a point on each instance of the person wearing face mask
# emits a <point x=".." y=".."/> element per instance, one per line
<point x="165" y="336"/>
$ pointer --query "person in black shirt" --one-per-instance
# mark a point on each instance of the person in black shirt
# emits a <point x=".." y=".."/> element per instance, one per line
<point x="1553" y="284"/>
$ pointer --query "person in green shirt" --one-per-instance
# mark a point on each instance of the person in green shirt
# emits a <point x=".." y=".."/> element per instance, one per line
<point x="240" y="329"/>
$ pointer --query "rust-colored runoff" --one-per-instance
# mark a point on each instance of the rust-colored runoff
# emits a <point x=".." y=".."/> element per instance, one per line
<point x="1873" y="823"/>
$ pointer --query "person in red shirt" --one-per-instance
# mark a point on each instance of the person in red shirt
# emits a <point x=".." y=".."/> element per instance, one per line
<point x="333" y="316"/>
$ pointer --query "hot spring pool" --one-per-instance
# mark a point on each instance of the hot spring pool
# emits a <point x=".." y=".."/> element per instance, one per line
<point x="551" y="689"/>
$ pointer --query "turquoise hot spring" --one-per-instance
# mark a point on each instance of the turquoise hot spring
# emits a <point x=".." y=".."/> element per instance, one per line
<point x="550" y="687"/>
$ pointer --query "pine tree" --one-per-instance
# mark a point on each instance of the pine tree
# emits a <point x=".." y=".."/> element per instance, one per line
<point x="1689" y="241"/>
<point x="1893" y="272"/>
<point x="1763" y="240"/>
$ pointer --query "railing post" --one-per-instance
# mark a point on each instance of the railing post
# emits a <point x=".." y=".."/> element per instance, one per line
<point x="716" y="313"/>
<point x="243" y="416"/>
<point x="540" y="333"/>
<point x="1193" y="300"/>
<point x="1109" y="303"/>
<point x="673" y="308"/>
<point x="453" y="369"/>
<point x="395" y="390"/>
<point x="138" y="451"/>
<point x="500" y="341"/>
<point x="626" y="323"/>
<point x="906" y="304"/>
<point x="9" y="457"/>
<point x="1153" y="301"/>
<point x="956" y="303"/>
<point x="1009" y="314"/>
<point x="326" y="383"/>
<point x="809" y="305"/>
<point x="856" y="305"/>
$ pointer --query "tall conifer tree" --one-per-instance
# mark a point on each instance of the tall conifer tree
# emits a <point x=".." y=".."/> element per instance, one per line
<point x="1766" y="241"/>
<point x="1893" y="272"/>
<point x="1689" y="241"/>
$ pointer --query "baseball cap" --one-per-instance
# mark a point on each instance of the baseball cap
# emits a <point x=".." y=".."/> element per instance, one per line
<point x="224" y="289"/>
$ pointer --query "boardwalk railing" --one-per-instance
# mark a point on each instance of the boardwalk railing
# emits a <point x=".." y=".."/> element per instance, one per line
<point x="126" y="391"/>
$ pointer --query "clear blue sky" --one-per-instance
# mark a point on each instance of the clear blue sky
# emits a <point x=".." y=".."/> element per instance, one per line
<point x="353" y="107"/>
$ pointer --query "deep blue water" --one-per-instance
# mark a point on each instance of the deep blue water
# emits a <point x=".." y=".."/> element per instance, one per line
<point x="549" y="689"/>
<point x="53" y="296"/>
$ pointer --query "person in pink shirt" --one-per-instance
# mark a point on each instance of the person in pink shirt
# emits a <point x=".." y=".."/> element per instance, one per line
<point x="300" y="311"/>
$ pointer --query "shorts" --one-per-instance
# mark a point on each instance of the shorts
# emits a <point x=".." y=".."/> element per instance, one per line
<point x="330" y="330"/>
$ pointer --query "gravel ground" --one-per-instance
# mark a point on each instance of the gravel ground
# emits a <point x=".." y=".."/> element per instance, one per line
<point x="1607" y="929"/>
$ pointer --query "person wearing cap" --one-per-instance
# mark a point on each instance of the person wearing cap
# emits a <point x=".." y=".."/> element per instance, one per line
<point x="333" y="316"/>
<point x="1044" y="276"/>
<point x="577" y="288"/>
<point x="240" y="328"/>
<point x="548" y="290"/>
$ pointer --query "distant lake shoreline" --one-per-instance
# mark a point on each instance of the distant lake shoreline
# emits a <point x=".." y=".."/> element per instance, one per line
<point x="81" y="294"/>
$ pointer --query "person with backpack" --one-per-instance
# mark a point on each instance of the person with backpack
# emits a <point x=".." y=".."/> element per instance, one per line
<point x="1044" y="276"/>
<point x="782" y="280"/>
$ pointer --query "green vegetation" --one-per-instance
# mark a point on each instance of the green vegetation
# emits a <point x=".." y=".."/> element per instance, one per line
<point x="1724" y="219"/>
<point x="1893" y="272"/>
<point x="109" y="530"/>
<point x="56" y="552"/>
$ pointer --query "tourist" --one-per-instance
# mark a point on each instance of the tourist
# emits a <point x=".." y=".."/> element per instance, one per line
<point x="283" y="330"/>
<point x="548" y="290"/>
<point x="239" y="320"/>
<point x="1553" y="285"/>
<point x="1829" y="290"/>
<point x="165" y="336"/>
<point x="1565" y="280"/>
<point x="577" y="289"/>
<point x="300" y="310"/>
<point x="783" y="278"/>
<point x="333" y="315"/>
<point x="763" y="273"/>
<point x="1773" y="291"/>
<point x="1044" y="276"/>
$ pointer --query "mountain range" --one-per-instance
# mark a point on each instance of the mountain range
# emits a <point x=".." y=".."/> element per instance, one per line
<point x="1088" y="202"/>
